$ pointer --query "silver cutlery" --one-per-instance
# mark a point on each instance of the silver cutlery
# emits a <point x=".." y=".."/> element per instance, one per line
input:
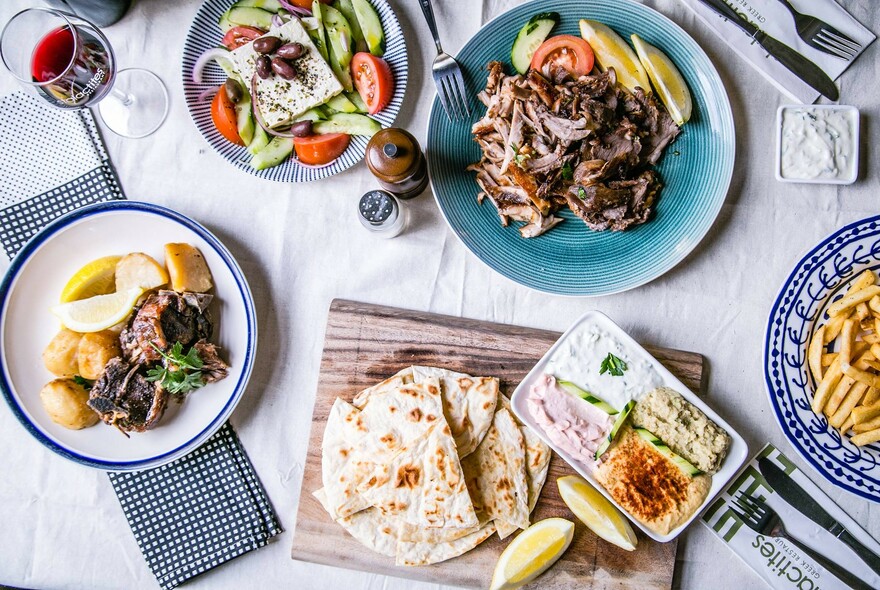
<point x="820" y="35"/>
<point x="447" y="74"/>
<point x="762" y="519"/>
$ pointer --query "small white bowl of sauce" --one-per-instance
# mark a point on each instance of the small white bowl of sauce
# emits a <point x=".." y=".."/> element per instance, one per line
<point x="817" y="144"/>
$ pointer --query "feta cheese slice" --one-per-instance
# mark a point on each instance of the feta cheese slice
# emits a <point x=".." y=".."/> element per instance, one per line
<point x="280" y="100"/>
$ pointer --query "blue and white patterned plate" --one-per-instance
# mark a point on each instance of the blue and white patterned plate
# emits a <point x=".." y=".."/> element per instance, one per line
<point x="570" y="259"/>
<point x="32" y="285"/>
<point x="818" y="279"/>
<point x="205" y="34"/>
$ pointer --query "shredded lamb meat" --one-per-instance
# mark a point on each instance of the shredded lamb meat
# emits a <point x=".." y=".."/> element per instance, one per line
<point x="550" y="142"/>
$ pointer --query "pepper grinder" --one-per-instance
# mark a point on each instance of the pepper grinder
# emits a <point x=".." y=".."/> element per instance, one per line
<point x="396" y="160"/>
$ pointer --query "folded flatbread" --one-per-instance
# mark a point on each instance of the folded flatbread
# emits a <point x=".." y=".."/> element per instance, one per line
<point x="342" y="468"/>
<point x="496" y="473"/>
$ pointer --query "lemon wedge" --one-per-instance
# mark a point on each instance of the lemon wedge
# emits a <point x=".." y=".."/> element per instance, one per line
<point x="139" y="271"/>
<point x="95" y="278"/>
<point x="613" y="52"/>
<point x="596" y="512"/>
<point x="97" y="313"/>
<point x="668" y="82"/>
<point x="532" y="552"/>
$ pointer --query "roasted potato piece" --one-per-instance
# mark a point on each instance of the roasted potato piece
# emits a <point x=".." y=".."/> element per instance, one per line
<point x="65" y="402"/>
<point x="94" y="351"/>
<point x="187" y="268"/>
<point x="137" y="270"/>
<point x="59" y="356"/>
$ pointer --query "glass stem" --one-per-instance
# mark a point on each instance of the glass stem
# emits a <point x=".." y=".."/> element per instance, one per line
<point x="123" y="97"/>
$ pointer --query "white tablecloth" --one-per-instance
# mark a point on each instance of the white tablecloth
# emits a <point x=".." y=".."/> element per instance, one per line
<point x="300" y="246"/>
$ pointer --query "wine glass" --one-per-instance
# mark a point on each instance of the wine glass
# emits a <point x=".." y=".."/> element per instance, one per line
<point x="69" y="62"/>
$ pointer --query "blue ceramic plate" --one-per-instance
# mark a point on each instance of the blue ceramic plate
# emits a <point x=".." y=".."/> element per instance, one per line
<point x="819" y="278"/>
<point x="205" y="34"/>
<point x="571" y="259"/>
<point x="34" y="282"/>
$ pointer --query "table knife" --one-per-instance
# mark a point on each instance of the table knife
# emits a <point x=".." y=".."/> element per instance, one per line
<point x="801" y="501"/>
<point x="791" y="59"/>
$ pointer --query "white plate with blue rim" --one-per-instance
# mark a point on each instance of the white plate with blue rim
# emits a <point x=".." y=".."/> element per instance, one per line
<point x="33" y="284"/>
<point x="819" y="278"/>
<point x="205" y="35"/>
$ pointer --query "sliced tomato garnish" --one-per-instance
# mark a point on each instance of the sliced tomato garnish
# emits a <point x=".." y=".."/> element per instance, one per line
<point x="224" y="117"/>
<point x="238" y="36"/>
<point x="571" y="53"/>
<point x="316" y="150"/>
<point x="373" y="80"/>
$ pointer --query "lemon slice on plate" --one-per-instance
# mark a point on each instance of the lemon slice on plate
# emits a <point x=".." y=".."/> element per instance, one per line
<point x="613" y="52"/>
<point x="97" y="313"/>
<point x="595" y="511"/>
<point x="667" y="80"/>
<point x="95" y="278"/>
<point x="532" y="552"/>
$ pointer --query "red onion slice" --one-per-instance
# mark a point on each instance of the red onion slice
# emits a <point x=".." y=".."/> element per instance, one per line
<point x="209" y="55"/>
<point x="207" y="94"/>
<point x="314" y="167"/>
<point x="294" y="9"/>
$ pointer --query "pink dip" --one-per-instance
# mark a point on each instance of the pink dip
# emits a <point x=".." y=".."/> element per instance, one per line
<point x="575" y="426"/>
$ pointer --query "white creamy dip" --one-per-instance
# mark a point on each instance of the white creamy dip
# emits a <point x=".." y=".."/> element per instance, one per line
<point x="817" y="143"/>
<point x="579" y="360"/>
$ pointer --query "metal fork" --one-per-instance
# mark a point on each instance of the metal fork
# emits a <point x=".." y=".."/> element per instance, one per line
<point x="822" y="36"/>
<point x="447" y="74"/>
<point x="762" y="519"/>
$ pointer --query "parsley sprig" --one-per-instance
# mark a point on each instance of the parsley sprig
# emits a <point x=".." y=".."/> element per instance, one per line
<point x="181" y="372"/>
<point x="613" y="365"/>
<point x="567" y="172"/>
<point x="83" y="382"/>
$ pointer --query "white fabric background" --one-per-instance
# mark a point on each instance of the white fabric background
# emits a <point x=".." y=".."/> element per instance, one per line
<point x="301" y="246"/>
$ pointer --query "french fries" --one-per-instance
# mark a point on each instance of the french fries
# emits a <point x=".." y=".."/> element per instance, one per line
<point x="843" y="357"/>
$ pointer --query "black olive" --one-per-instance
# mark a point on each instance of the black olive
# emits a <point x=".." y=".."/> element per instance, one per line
<point x="291" y="51"/>
<point x="266" y="45"/>
<point x="301" y="129"/>
<point x="283" y="69"/>
<point x="264" y="67"/>
<point x="233" y="90"/>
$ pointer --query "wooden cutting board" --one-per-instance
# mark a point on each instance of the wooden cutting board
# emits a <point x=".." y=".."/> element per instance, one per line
<point x="366" y="343"/>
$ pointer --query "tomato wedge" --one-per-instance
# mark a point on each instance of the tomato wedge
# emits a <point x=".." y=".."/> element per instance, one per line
<point x="238" y="36"/>
<point x="373" y="80"/>
<point x="564" y="51"/>
<point x="317" y="150"/>
<point x="224" y="117"/>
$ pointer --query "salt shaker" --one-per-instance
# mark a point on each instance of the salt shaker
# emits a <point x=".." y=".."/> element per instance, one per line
<point x="380" y="212"/>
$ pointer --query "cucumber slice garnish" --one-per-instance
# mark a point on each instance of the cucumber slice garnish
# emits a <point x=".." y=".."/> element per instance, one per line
<point x="371" y="26"/>
<point x="250" y="17"/>
<point x="615" y="428"/>
<point x="530" y="37"/>
<point x="587" y="397"/>
<point x="317" y="34"/>
<point x="350" y="123"/>
<point x="357" y="36"/>
<point x="682" y="463"/>
<point x="278" y="150"/>
<point x="270" y="5"/>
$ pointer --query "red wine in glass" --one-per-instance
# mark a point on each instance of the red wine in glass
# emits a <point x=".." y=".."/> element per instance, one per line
<point x="71" y="67"/>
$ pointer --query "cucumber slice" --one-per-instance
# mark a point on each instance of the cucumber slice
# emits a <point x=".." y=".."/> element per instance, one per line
<point x="530" y="37"/>
<point x="224" y="23"/>
<point x="339" y="44"/>
<point x="260" y="140"/>
<point x="347" y="123"/>
<point x="587" y="397"/>
<point x="317" y="34"/>
<point x="245" y="118"/>
<point x="371" y="26"/>
<point x="270" y="5"/>
<point x="278" y="150"/>
<point x="357" y="101"/>
<point x="311" y="115"/>
<point x="615" y="428"/>
<point x="682" y="463"/>
<point x="250" y="17"/>
<point x="341" y="104"/>
<point x="357" y="35"/>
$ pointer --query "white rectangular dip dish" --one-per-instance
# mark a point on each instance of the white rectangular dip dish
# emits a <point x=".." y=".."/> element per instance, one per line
<point x="847" y="175"/>
<point x="736" y="454"/>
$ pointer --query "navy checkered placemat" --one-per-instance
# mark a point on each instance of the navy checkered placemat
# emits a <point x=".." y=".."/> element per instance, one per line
<point x="196" y="512"/>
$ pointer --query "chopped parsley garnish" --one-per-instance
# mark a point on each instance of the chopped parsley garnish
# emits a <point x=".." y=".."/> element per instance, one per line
<point x="567" y="172"/>
<point x="614" y="365"/>
<point x="181" y="372"/>
<point x="82" y="382"/>
<point x="582" y="194"/>
<point x="518" y="157"/>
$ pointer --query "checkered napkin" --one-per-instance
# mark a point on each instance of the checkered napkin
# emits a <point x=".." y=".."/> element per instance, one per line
<point x="199" y="511"/>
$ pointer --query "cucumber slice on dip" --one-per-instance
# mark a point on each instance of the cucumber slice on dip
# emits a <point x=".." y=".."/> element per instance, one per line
<point x="682" y="463"/>
<point x="530" y="37"/>
<point x="586" y="396"/>
<point x="615" y="428"/>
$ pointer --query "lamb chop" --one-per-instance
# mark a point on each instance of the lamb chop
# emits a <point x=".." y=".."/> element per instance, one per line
<point x="163" y="319"/>
<point x="123" y="397"/>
